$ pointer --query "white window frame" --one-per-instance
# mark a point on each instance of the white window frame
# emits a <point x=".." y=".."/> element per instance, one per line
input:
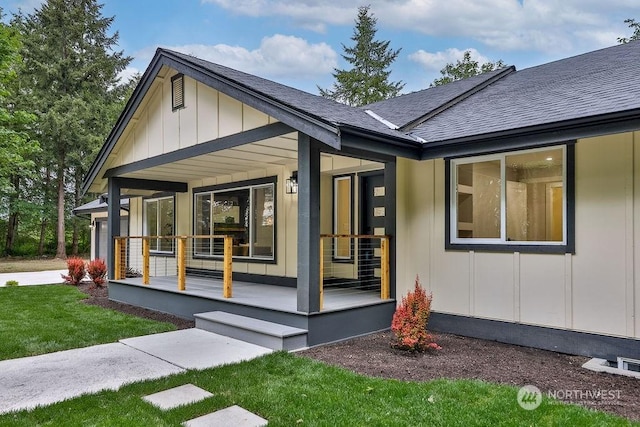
<point x="145" y="231"/>
<point x="251" y="189"/>
<point x="502" y="240"/>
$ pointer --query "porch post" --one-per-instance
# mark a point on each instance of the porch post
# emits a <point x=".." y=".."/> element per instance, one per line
<point x="390" y="221"/>
<point x="308" y="284"/>
<point x="113" y="223"/>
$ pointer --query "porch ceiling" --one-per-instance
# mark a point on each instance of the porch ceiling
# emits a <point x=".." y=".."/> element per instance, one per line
<point x="281" y="150"/>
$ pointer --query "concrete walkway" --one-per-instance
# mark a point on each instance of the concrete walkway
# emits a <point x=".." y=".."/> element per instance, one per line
<point x="34" y="278"/>
<point x="42" y="380"/>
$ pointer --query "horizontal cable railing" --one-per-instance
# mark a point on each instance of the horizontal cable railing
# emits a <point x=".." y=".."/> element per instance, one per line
<point x="354" y="263"/>
<point x="172" y="255"/>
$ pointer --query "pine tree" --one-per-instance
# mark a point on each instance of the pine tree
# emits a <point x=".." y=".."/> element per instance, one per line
<point x="368" y="80"/>
<point x="464" y="68"/>
<point x="71" y="68"/>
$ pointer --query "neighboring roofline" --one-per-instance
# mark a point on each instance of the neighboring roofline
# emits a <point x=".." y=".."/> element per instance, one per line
<point x="534" y="136"/>
<point x="475" y="89"/>
<point x="101" y="207"/>
<point x="325" y="132"/>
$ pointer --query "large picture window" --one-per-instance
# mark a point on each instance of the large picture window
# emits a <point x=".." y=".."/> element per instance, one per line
<point x="246" y="213"/>
<point x="158" y="221"/>
<point x="518" y="198"/>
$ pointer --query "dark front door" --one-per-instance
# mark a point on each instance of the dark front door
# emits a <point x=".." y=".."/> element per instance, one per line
<point x="372" y="214"/>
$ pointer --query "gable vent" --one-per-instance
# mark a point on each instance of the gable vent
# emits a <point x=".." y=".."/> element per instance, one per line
<point x="177" y="91"/>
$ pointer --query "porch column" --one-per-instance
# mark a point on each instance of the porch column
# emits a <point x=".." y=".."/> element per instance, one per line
<point x="390" y="220"/>
<point x="308" y="284"/>
<point x="113" y="223"/>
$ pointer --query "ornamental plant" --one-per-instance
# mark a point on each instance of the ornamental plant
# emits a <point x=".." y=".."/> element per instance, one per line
<point x="97" y="271"/>
<point x="409" y="324"/>
<point x="76" y="271"/>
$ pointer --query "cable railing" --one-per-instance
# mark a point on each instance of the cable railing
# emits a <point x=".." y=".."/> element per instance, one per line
<point x="172" y="255"/>
<point x="354" y="263"/>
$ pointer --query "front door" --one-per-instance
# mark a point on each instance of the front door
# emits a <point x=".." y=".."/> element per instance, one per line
<point x="372" y="215"/>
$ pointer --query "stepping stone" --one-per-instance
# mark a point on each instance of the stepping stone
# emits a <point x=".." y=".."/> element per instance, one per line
<point x="177" y="396"/>
<point x="231" y="416"/>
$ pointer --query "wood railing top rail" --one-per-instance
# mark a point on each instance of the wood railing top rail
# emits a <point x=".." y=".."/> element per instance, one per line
<point x="197" y="236"/>
<point x="355" y="236"/>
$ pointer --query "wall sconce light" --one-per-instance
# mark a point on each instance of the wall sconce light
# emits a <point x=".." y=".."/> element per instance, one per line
<point x="92" y="225"/>
<point x="291" y="184"/>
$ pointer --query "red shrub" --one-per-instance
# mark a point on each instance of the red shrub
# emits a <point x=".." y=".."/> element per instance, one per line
<point x="410" y="320"/>
<point x="76" y="271"/>
<point x="97" y="270"/>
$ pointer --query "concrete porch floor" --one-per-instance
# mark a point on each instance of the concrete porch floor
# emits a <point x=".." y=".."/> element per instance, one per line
<point x="271" y="297"/>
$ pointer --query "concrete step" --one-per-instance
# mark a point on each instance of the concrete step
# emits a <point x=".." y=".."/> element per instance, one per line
<point x="255" y="331"/>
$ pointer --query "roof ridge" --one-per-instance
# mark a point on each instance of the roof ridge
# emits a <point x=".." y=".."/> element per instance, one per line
<point x="443" y="107"/>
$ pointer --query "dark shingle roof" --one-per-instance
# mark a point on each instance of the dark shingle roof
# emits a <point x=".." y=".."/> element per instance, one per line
<point x="321" y="108"/>
<point x="408" y="108"/>
<point x="588" y="85"/>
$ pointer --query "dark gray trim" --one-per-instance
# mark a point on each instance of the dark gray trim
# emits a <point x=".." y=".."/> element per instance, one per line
<point x="475" y="89"/>
<point x="237" y="139"/>
<point x="546" y="338"/>
<point x="569" y="247"/>
<point x="534" y="136"/>
<point x="308" y="283"/>
<point x="113" y="223"/>
<point x="236" y="184"/>
<point x="263" y="279"/>
<point x="382" y="147"/>
<point x="151" y="184"/>
<point x="390" y="220"/>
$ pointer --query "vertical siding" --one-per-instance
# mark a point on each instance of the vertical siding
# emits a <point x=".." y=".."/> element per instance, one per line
<point x="596" y="290"/>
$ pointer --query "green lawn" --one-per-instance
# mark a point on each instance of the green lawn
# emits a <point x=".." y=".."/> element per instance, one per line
<point x="42" y="319"/>
<point x="290" y="390"/>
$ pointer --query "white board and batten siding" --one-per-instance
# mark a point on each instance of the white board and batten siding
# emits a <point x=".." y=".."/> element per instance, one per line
<point x="596" y="290"/>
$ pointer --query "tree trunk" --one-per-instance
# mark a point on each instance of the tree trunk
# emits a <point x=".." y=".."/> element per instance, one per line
<point x="12" y="222"/>
<point x="76" y="199"/>
<point x="61" y="250"/>
<point x="44" y="222"/>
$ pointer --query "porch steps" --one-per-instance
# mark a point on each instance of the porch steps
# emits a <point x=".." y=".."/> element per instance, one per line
<point x="260" y="332"/>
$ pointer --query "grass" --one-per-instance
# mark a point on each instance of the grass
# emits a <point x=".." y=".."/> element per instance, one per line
<point x="42" y="319"/>
<point x="19" y="265"/>
<point x="289" y="390"/>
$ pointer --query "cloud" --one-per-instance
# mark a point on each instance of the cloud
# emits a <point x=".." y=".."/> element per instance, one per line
<point x="436" y="61"/>
<point x="548" y="26"/>
<point x="278" y="56"/>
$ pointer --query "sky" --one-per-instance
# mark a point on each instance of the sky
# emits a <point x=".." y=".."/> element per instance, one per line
<point x="300" y="42"/>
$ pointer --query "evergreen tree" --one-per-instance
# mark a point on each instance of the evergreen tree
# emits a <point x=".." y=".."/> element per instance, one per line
<point x="635" y="26"/>
<point x="17" y="149"/>
<point x="368" y="80"/>
<point x="465" y="68"/>
<point x="71" y="68"/>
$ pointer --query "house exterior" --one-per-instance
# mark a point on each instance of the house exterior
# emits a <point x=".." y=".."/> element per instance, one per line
<point x="96" y="212"/>
<point x="513" y="195"/>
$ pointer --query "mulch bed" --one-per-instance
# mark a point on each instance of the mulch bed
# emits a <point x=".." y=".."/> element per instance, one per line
<point x="459" y="358"/>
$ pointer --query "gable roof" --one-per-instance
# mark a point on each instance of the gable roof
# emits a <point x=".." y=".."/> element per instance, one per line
<point x="602" y="85"/>
<point x="406" y="111"/>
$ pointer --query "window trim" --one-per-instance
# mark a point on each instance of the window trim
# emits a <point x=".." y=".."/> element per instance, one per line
<point x="239" y="185"/>
<point x="145" y="232"/>
<point x="336" y="179"/>
<point x="501" y="245"/>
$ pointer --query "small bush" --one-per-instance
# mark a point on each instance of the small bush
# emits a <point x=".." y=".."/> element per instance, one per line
<point x="409" y="323"/>
<point x="76" y="271"/>
<point x="97" y="270"/>
<point x="11" y="283"/>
